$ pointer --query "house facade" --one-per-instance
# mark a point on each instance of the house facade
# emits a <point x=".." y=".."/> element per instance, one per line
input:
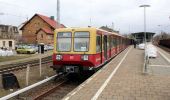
<point x="7" y="43"/>
<point x="8" y="36"/>
<point x="45" y="36"/>
<point x="38" y="29"/>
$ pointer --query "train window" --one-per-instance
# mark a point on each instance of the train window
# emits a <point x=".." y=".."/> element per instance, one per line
<point x="118" y="42"/>
<point x="113" y="42"/>
<point x="98" y="44"/>
<point x="81" y="41"/>
<point x="108" y="43"/>
<point x="64" y="34"/>
<point x="64" y="41"/>
<point x="81" y="34"/>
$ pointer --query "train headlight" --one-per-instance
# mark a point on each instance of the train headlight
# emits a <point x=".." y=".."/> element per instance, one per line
<point x="85" y="57"/>
<point x="58" y="57"/>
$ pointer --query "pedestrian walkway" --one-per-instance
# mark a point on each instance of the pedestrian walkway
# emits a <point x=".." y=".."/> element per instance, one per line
<point x="122" y="79"/>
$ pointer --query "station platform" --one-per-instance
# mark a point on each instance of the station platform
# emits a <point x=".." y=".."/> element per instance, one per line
<point x="123" y="79"/>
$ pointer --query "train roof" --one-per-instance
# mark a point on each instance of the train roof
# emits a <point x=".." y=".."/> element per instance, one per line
<point x="89" y="28"/>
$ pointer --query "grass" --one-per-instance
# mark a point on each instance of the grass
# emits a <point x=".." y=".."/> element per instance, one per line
<point x="10" y="58"/>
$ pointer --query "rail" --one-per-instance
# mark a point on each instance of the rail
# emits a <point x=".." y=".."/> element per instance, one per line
<point x="28" y="88"/>
<point x="24" y="65"/>
<point x="49" y="91"/>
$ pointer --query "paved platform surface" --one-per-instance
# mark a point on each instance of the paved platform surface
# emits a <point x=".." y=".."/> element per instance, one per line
<point x="122" y="79"/>
<point x="161" y="64"/>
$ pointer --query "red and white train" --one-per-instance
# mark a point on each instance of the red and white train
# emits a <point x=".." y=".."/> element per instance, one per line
<point x="78" y="50"/>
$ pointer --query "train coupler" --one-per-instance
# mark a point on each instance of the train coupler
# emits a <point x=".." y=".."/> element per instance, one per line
<point x="72" y="69"/>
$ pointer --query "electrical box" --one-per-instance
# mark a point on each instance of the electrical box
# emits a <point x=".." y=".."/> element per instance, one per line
<point x="9" y="81"/>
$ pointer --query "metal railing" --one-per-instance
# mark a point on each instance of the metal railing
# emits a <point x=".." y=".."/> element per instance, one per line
<point x="28" y="88"/>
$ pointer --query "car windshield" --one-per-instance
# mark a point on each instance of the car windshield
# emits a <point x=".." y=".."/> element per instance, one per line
<point x="28" y="47"/>
<point x="64" y="41"/>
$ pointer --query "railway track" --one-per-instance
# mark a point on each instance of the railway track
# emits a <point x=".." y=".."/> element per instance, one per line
<point x="53" y="90"/>
<point x="48" y="91"/>
<point x="164" y="48"/>
<point x="19" y="66"/>
<point x="60" y="90"/>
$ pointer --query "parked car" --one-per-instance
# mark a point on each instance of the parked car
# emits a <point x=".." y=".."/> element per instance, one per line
<point x="45" y="48"/>
<point x="50" y="47"/>
<point x="33" y="46"/>
<point x="25" y="50"/>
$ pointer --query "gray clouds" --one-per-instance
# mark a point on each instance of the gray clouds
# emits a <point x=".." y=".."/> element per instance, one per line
<point x="126" y="14"/>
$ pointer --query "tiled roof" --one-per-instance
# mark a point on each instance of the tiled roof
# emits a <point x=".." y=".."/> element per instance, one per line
<point x="48" y="20"/>
<point x="47" y="31"/>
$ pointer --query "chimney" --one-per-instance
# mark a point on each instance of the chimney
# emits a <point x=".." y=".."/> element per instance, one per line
<point x="52" y="17"/>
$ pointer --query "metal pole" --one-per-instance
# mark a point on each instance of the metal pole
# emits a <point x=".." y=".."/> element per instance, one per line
<point x="40" y="51"/>
<point x="145" y="56"/>
<point x="27" y="74"/>
<point x="113" y="26"/>
<point x="58" y="14"/>
<point x="145" y="26"/>
<point x="144" y="6"/>
<point x="40" y="67"/>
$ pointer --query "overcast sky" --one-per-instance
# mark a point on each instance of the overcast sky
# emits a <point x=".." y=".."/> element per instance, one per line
<point x="126" y="15"/>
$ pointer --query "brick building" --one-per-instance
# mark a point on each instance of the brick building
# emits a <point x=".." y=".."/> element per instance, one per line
<point x="45" y="36"/>
<point x="39" y="29"/>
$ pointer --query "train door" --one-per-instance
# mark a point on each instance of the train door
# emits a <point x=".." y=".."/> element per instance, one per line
<point x="101" y="50"/>
<point x="105" y="46"/>
<point x="120" y="45"/>
<point x="109" y="41"/>
<point x="116" y="44"/>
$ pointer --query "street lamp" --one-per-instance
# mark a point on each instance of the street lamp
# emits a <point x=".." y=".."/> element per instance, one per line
<point x="144" y="6"/>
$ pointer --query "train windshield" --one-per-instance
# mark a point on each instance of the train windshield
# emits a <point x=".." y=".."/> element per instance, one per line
<point x="81" y="41"/>
<point x="64" y="41"/>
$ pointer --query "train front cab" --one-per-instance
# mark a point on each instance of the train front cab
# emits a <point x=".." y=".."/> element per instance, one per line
<point x="74" y="50"/>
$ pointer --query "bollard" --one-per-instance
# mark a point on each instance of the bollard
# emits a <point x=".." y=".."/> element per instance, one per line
<point x="27" y="75"/>
<point x="40" y="67"/>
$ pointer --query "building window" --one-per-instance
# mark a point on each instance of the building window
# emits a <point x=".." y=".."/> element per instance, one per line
<point x="10" y="43"/>
<point x="50" y="37"/>
<point x="4" y="43"/>
<point x="41" y="35"/>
